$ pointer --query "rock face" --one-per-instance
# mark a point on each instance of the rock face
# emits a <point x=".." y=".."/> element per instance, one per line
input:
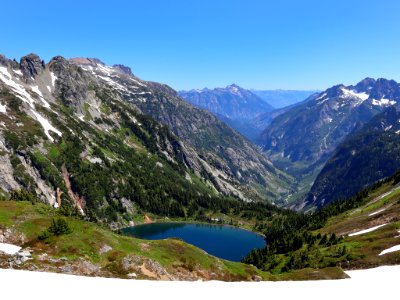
<point x="31" y="65"/>
<point x="123" y="69"/>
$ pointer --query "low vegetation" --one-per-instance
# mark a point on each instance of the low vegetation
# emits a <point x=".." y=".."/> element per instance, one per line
<point x="320" y="239"/>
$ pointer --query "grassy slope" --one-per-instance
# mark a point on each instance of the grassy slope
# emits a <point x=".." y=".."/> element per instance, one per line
<point x="80" y="252"/>
<point x="365" y="248"/>
<point x="178" y="259"/>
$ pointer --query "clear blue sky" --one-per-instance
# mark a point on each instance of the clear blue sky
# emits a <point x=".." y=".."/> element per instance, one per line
<point x="187" y="44"/>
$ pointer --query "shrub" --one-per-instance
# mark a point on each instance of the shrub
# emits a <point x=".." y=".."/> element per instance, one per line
<point x="23" y="195"/>
<point x="57" y="227"/>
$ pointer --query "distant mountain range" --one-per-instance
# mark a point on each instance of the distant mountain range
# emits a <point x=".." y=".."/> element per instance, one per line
<point x="234" y="105"/>
<point x="283" y="98"/>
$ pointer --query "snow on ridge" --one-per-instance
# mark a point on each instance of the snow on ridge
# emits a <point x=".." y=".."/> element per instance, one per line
<point x="22" y="94"/>
<point x="46" y="125"/>
<point x="105" y="69"/>
<point x="383" y="102"/>
<point x="9" y="248"/>
<point x="53" y="79"/>
<point x="367" y="230"/>
<point x="141" y="93"/>
<point x="37" y="91"/>
<point x="350" y="93"/>
<point x="2" y="108"/>
<point x="137" y="81"/>
<point x="113" y="83"/>
<point x="389" y="250"/>
<point x="35" y="88"/>
<point x="323" y="95"/>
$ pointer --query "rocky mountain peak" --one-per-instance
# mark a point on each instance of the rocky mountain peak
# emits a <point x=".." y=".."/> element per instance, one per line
<point x="365" y="85"/>
<point x="31" y="65"/>
<point x="123" y="69"/>
<point x="233" y="88"/>
<point x="3" y="60"/>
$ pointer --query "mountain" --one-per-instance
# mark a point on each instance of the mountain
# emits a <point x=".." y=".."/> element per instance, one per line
<point x="366" y="156"/>
<point x="303" y="138"/>
<point x="235" y="164"/>
<point x="262" y="121"/>
<point x="101" y="140"/>
<point x="233" y="105"/>
<point x="283" y="98"/>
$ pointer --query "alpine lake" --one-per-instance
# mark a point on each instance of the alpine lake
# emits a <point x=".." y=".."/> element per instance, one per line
<point x="222" y="241"/>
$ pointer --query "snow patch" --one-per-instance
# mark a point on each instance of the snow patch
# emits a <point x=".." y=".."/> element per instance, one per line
<point x="137" y="82"/>
<point x="391" y="249"/>
<point x="367" y="230"/>
<point x="388" y="127"/>
<point x="383" y="102"/>
<point x="35" y="88"/>
<point x="2" y="108"/>
<point x="105" y="69"/>
<point x="141" y="93"/>
<point x="352" y="94"/>
<point x="376" y="212"/>
<point x="37" y="91"/>
<point x="46" y="126"/>
<point x="53" y="79"/>
<point x="18" y="72"/>
<point x="322" y="96"/>
<point x="9" y="248"/>
<point x="22" y="94"/>
<point x="113" y="83"/>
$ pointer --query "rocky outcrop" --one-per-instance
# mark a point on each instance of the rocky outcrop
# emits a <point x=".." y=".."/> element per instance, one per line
<point x="123" y="69"/>
<point x="31" y="65"/>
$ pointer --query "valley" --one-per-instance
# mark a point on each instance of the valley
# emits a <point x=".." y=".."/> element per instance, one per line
<point x="88" y="150"/>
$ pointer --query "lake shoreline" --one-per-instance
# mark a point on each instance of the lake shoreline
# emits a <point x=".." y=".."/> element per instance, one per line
<point x="192" y="222"/>
<point x="220" y="240"/>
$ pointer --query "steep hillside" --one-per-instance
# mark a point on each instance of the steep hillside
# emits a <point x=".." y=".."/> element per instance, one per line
<point x="78" y="138"/>
<point x="302" y="139"/>
<point x="370" y="154"/>
<point x="356" y="233"/>
<point x="233" y="105"/>
<point x="235" y="164"/>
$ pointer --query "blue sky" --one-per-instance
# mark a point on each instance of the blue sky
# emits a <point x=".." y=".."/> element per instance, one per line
<point x="208" y="43"/>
